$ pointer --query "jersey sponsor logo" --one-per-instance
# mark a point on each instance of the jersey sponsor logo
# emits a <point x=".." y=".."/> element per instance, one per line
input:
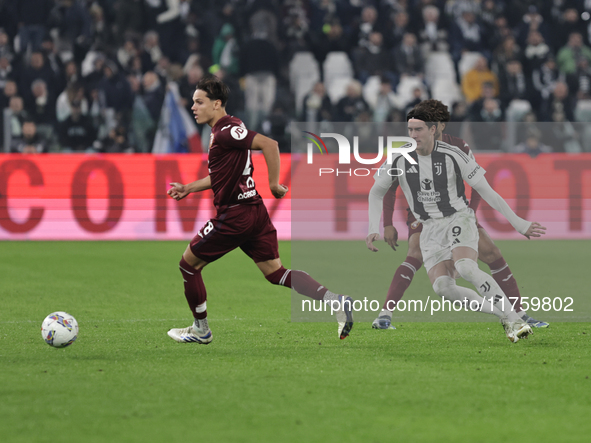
<point x="438" y="168"/>
<point x="247" y="194"/>
<point x="473" y="173"/>
<point x="426" y="184"/>
<point x="428" y="196"/>
<point x="412" y="170"/>
<point x="250" y="182"/>
<point x="239" y="132"/>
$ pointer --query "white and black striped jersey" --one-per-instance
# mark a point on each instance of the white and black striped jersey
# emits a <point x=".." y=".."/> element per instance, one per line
<point x="434" y="187"/>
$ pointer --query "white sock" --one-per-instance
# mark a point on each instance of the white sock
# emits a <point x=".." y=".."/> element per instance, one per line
<point x="386" y="313"/>
<point x="447" y="288"/>
<point x="486" y="286"/>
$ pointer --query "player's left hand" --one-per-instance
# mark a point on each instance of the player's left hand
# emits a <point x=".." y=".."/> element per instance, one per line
<point x="535" y="230"/>
<point x="391" y="236"/>
<point x="178" y="191"/>
<point x="369" y="242"/>
<point x="279" y="191"/>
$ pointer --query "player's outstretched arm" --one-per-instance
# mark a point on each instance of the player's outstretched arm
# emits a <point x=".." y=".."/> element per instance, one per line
<point x="180" y="191"/>
<point x="528" y="229"/>
<point x="270" y="150"/>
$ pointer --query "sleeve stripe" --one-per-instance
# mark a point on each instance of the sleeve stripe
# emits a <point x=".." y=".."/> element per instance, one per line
<point x="455" y="150"/>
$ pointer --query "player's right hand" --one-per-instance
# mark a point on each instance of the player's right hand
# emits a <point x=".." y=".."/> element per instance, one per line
<point x="369" y="242"/>
<point x="279" y="191"/>
<point x="178" y="191"/>
<point x="535" y="230"/>
<point x="391" y="236"/>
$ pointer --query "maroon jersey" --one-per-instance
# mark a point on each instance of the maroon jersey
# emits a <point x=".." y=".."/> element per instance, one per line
<point x="390" y="197"/>
<point x="230" y="165"/>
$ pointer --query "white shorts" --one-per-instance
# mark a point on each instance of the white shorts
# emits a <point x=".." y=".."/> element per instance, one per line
<point x="440" y="236"/>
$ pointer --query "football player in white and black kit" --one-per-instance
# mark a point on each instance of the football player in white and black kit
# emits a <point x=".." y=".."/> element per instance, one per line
<point x="434" y="189"/>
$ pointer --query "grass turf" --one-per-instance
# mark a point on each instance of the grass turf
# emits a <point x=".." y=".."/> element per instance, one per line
<point x="265" y="378"/>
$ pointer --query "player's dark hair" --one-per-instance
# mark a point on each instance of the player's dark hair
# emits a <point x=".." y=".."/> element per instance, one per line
<point x="422" y="114"/>
<point x="437" y="109"/>
<point x="214" y="88"/>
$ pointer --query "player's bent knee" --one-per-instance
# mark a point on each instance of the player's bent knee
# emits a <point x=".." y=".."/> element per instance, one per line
<point x="443" y="286"/>
<point x="490" y="255"/>
<point x="415" y="253"/>
<point x="467" y="268"/>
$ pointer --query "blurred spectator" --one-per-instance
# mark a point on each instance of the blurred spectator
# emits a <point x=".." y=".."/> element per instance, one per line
<point x="475" y="108"/>
<point x="508" y="50"/>
<point x="386" y="102"/>
<point x="36" y="70"/>
<point x="569" y="22"/>
<point x="408" y="57"/>
<point x="513" y="83"/>
<point x="6" y="72"/>
<point x="352" y="104"/>
<point x="316" y="105"/>
<point x="573" y="51"/>
<point x="115" y="142"/>
<point x="532" y="146"/>
<point x="331" y="39"/>
<point x="500" y="32"/>
<point x="32" y="18"/>
<point x="187" y="86"/>
<point x="74" y="24"/>
<point x="151" y="52"/>
<point x="18" y="116"/>
<point x="476" y="77"/>
<point x="488" y="134"/>
<point x="51" y="56"/>
<point x="115" y="88"/>
<point x="165" y="17"/>
<point x="41" y="106"/>
<point x="260" y="66"/>
<point x="433" y="36"/>
<point x="127" y="53"/>
<point x="373" y="59"/>
<point x="30" y="142"/>
<point x="558" y="102"/>
<point x="367" y="25"/>
<point x="77" y="133"/>
<point x="467" y="34"/>
<point x="5" y="47"/>
<point x="9" y="90"/>
<point x="544" y="80"/>
<point x="401" y="27"/>
<point x="580" y="81"/>
<point x="153" y="94"/>
<point x="73" y="93"/>
<point x="532" y="20"/>
<point x="536" y="52"/>
<point x="71" y="74"/>
<point x="225" y="51"/>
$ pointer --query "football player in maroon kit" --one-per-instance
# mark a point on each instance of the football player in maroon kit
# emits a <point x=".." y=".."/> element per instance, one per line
<point x="488" y="252"/>
<point x="241" y="219"/>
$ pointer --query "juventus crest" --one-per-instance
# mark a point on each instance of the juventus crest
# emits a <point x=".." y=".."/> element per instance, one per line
<point x="438" y="168"/>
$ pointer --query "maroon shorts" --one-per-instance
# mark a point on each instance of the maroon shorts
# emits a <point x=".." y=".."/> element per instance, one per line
<point x="415" y="227"/>
<point x="247" y="227"/>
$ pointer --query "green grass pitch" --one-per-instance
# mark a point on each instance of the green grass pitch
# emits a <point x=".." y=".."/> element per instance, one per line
<point x="265" y="378"/>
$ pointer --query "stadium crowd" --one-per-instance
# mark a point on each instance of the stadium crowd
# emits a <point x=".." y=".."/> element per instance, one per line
<point x="91" y="75"/>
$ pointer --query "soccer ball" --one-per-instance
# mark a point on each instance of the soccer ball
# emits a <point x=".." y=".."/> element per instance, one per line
<point x="59" y="329"/>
